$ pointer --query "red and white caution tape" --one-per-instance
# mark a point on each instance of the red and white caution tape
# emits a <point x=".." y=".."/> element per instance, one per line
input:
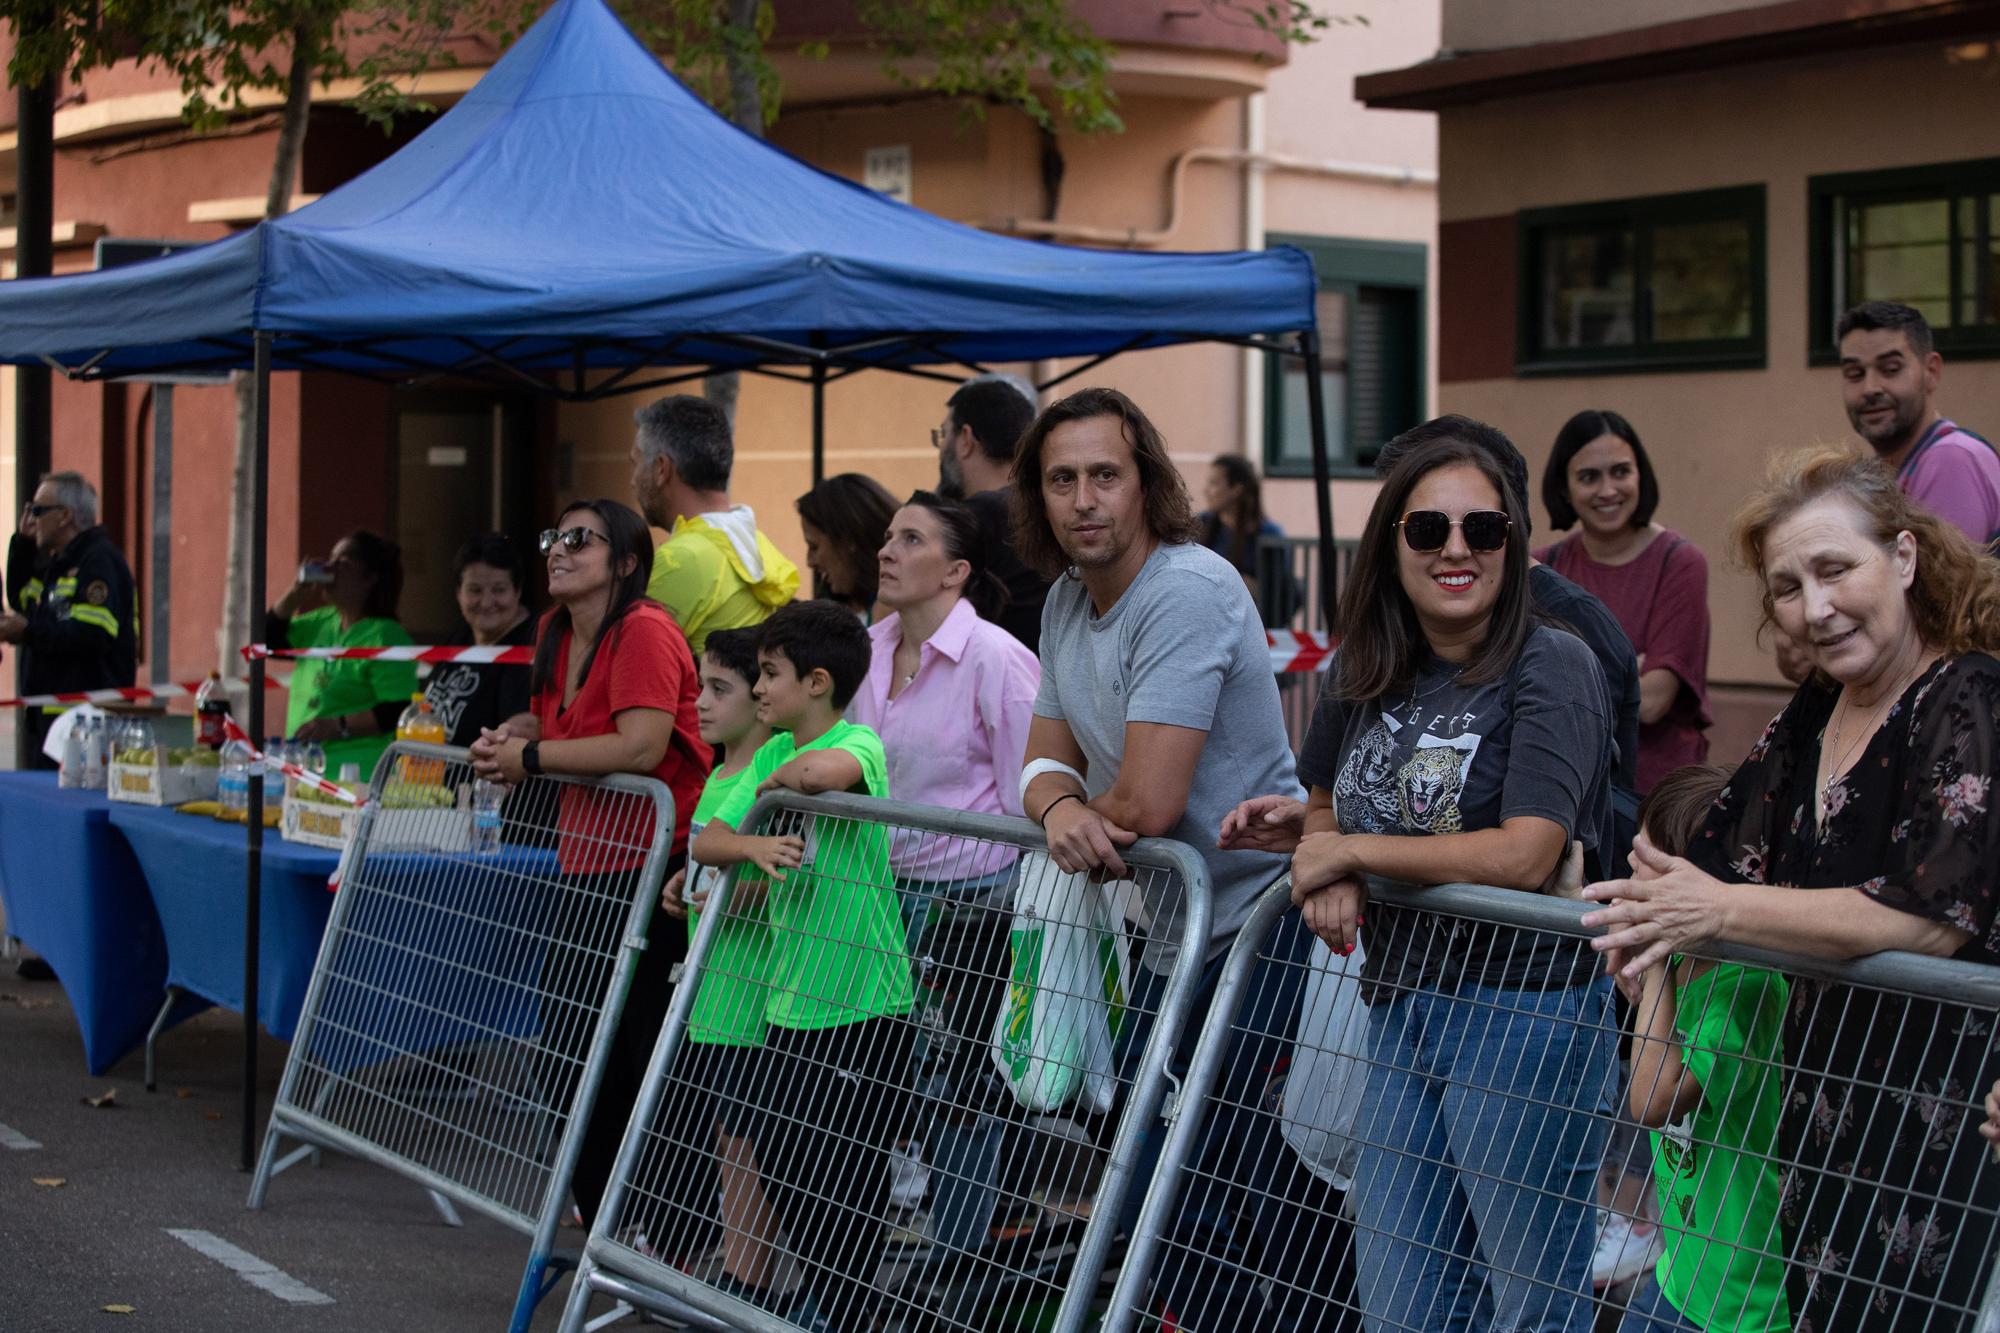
<point x="1293" y="651"/>
<point x="126" y="694"/>
<point x="290" y="769"/>
<point x="483" y="654"/>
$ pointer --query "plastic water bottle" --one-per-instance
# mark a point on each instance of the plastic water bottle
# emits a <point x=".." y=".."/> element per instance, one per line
<point x="71" y="774"/>
<point x="94" y="741"/>
<point x="420" y="722"/>
<point x="233" y="787"/>
<point x="486" y="799"/>
<point x="315" y="758"/>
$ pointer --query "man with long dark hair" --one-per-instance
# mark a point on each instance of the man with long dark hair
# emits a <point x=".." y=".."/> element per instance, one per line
<point x="1156" y="705"/>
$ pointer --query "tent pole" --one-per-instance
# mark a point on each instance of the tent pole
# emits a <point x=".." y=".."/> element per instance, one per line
<point x="160" y="631"/>
<point x="253" y="880"/>
<point x="819" y="421"/>
<point x="1329" y="573"/>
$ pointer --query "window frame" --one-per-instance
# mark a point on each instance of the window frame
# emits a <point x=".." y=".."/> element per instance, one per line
<point x="1745" y="203"/>
<point x="1936" y="180"/>
<point x="1346" y="265"/>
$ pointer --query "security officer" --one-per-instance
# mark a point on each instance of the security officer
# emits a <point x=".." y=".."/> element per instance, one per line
<point x="75" y="606"/>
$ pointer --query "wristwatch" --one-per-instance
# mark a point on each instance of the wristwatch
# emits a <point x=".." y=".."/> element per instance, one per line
<point x="531" y="758"/>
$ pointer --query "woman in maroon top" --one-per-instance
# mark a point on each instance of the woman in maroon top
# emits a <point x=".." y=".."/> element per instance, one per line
<point x="614" y="692"/>
<point x="1655" y="581"/>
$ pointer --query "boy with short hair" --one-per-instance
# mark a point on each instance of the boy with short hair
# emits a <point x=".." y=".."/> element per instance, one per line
<point x="836" y="1062"/>
<point x="1705" y="1077"/>
<point x="726" y="1025"/>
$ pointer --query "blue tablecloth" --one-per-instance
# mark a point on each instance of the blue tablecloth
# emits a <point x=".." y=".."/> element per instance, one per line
<point x="75" y="894"/>
<point x="194" y="868"/>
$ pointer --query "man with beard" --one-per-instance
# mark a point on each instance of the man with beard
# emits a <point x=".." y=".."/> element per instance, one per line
<point x="715" y="570"/>
<point x="983" y="420"/>
<point x="1157" y="712"/>
<point x="1889" y="369"/>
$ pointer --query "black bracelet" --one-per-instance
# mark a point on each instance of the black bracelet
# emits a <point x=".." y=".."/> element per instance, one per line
<point x="531" y="758"/>
<point x="1066" y="796"/>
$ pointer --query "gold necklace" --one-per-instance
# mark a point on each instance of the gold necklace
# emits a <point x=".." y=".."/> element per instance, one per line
<point x="1834" y="770"/>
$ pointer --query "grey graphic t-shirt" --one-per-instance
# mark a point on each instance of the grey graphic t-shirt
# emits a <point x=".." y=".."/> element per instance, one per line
<point x="1443" y="757"/>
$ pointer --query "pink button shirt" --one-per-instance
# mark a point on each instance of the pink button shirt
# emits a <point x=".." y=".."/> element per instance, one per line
<point x="955" y="736"/>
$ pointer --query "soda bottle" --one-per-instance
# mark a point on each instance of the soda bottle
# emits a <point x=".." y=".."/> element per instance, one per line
<point x="420" y="722"/>
<point x="486" y="819"/>
<point x="211" y="705"/>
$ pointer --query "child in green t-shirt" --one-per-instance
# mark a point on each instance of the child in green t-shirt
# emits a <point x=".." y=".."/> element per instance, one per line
<point x="726" y="1024"/>
<point x="836" y="1063"/>
<point x="1705" y="1077"/>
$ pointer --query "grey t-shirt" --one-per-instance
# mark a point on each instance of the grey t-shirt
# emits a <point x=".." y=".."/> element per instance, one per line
<point x="1442" y="757"/>
<point x="1184" y="646"/>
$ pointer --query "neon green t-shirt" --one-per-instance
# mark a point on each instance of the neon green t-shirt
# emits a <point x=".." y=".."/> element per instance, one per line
<point x="346" y="685"/>
<point x="729" y="1007"/>
<point x="837" y="949"/>
<point x="1722" y="1265"/>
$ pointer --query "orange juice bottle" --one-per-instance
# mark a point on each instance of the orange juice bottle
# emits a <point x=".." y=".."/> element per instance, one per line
<point x="420" y="722"/>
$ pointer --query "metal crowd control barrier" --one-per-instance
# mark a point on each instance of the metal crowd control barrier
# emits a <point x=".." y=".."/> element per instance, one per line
<point x="461" y="1012"/>
<point x="952" y="1096"/>
<point x="1430" y="1147"/>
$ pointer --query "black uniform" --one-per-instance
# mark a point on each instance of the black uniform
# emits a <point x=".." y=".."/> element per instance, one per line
<point x="83" y="618"/>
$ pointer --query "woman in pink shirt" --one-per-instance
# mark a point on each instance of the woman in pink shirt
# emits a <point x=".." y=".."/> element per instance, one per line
<point x="951" y="694"/>
<point x="1654" y="580"/>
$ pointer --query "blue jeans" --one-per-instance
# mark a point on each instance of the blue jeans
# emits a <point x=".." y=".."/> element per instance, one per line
<point x="1480" y="1150"/>
<point x="1651" y="1312"/>
<point x="1236" y="1209"/>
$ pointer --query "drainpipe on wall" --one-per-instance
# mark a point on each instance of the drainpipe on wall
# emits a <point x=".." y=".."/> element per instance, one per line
<point x="1134" y="238"/>
<point x="1253" y="239"/>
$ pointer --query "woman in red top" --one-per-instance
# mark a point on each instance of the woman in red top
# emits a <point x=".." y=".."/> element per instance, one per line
<point x="1654" y="580"/>
<point x="614" y="692"/>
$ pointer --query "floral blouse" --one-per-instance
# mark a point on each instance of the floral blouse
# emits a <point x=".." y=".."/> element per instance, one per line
<point x="1884" y="1085"/>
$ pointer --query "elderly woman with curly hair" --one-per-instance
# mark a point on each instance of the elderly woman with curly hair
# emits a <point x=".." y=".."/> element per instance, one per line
<point x="1861" y="821"/>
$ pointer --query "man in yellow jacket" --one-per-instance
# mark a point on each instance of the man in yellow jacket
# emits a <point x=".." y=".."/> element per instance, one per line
<point x="715" y="570"/>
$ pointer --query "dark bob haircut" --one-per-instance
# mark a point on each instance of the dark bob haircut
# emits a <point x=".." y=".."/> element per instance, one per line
<point x="497" y="551"/>
<point x="1578" y="431"/>
<point x="1382" y="643"/>
<point x="1169" y="512"/>
<point x="819" y="636"/>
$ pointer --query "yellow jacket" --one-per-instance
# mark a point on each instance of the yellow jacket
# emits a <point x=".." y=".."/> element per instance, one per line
<point x="717" y="571"/>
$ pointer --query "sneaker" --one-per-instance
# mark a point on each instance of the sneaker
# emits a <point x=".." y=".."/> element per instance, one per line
<point x="1625" y="1249"/>
<point x="909" y="1178"/>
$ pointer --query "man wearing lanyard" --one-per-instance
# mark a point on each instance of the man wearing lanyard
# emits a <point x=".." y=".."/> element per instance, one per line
<point x="1889" y="369"/>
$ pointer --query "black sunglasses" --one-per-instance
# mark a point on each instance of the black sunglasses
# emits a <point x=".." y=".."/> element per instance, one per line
<point x="572" y="539"/>
<point x="1429" y="529"/>
<point x="36" y="511"/>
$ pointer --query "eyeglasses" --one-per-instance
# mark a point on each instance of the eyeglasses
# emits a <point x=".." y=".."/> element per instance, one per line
<point x="572" y="539"/>
<point x="1429" y="529"/>
<point x="36" y="511"/>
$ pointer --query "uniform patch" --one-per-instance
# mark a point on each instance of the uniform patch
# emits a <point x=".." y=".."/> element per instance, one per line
<point x="98" y="593"/>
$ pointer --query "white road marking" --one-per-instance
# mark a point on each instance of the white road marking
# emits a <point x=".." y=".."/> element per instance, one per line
<point x="249" y="1267"/>
<point x="15" y="1139"/>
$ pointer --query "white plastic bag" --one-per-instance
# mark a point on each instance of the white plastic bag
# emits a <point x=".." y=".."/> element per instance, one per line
<point x="1323" y="1091"/>
<point x="1066" y="996"/>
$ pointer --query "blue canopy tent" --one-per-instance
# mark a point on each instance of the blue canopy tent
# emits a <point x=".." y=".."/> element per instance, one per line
<point x="580" y="219"/>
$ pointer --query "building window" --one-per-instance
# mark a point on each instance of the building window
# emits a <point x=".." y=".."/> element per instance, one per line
<point x="1928" y="237"/>
<point x="1674" y="282"/>
<point x="1371" y="330"/>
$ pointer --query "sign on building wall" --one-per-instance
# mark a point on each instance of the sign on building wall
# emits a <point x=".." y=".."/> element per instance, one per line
<point x="888" y="170"/>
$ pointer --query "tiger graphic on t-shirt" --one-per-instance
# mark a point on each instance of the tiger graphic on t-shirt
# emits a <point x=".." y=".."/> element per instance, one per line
<point x="1364" y="795"/>
<point x="1429" y="785"/>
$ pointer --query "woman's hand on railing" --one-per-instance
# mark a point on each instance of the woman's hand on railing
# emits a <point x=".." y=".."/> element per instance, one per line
<point x="1322" y="859"/>
<point x="1667" y="907"/>
<point x="670" y="895"/>
<point x="1334" y="912"/>
<point x="496" y="755"/>
<point x="1263" y="824"/>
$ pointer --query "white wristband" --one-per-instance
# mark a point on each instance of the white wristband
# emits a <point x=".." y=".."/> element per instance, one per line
<point x="1037" y="767"/>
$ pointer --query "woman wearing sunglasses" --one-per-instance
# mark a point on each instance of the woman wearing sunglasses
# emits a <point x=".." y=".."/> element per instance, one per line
<point x="1459" y="740"/>
<point x="614" y="692"/>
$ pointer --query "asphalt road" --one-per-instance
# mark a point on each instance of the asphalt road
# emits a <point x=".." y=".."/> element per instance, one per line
<point x="365" y="1241"/>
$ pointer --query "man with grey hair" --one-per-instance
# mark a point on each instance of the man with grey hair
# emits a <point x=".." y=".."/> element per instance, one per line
<point x="715" y="570"/>
<point x="75" y="608"/>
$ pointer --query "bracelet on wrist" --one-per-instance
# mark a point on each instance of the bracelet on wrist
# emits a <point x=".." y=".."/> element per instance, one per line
<point x="1066" y="796"/>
